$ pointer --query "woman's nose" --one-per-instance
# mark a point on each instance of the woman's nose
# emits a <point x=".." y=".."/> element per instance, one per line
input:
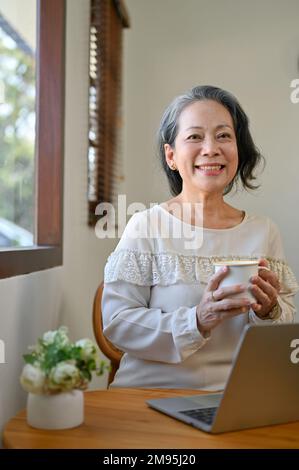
<point x="210" y="147"/>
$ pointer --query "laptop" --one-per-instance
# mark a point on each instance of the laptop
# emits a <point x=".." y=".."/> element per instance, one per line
<point x="262" y="388"/>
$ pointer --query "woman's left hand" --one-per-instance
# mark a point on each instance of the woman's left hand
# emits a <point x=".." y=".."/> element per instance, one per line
<point x="265" y="288"/>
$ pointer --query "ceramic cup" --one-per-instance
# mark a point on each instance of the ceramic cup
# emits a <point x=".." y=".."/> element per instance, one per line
<point x="239" y="272"/>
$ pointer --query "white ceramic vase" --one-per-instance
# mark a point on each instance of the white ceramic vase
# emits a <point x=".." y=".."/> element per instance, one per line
<point x="60" y="411"/>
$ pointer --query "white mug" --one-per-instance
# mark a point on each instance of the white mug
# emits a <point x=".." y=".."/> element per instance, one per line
<point x="239" y="272"/>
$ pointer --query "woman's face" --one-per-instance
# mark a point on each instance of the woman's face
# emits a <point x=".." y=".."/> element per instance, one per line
<point x="205" y="150"/>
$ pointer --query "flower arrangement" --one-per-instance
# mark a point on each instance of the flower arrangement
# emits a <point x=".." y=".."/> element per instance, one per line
<point x="57" y="365"/>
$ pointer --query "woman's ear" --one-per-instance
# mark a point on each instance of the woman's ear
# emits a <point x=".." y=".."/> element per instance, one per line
<point x="169" y="154"/>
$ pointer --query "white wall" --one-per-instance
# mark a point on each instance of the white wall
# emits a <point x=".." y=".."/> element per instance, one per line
<point x="249" y="48"/>
<point x="32" y="304"/>
<point x="29" y="305"/>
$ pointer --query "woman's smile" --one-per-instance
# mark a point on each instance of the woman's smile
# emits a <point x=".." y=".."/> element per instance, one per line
<point x="214" y="169"/>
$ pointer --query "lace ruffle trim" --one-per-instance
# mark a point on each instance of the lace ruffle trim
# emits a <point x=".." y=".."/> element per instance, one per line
<point x="149" y="269"/>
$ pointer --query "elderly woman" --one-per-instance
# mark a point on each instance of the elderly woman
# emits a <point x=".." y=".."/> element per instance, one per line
<point x="162" y="304"/>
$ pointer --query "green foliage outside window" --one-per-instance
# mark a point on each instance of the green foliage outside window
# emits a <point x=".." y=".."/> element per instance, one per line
<point x="17" y="134"/>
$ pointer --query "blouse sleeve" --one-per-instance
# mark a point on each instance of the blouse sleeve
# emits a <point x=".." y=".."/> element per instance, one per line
<point x="129" y="323"/>
<point x="285" y="310"/>
<point x="148" y="333"/>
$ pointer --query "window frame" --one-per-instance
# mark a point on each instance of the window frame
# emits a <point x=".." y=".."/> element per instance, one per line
<point x="49" y="148"/>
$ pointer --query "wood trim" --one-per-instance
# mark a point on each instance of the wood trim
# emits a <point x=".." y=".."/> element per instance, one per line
<point x="50" y="124"/>
<point x="28" y="260"/>
<point x="108" y="349"/>
<point x="51" y="16"/>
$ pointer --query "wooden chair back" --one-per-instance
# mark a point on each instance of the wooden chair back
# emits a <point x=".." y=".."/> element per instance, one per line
<point x="107" y="348"/>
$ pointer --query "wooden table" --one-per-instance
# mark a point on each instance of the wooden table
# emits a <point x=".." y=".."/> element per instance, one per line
<point x="120" y="418"/>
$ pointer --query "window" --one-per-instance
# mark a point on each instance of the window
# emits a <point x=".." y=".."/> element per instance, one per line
<point x="108" y="18"/>
<point x="47" y="249"/>
<point x="17" y="125"/>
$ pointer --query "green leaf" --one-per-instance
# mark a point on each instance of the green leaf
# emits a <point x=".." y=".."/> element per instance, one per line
<point x="29" y="358"/>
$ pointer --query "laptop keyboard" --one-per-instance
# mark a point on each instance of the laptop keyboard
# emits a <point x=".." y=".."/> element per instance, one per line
<point x="202" y="414"/>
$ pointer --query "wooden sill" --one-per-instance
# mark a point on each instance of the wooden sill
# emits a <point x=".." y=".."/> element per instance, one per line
<point x="23" y="260"/>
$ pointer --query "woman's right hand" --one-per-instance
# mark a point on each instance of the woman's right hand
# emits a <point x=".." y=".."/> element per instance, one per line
<point x="216" y="304"/>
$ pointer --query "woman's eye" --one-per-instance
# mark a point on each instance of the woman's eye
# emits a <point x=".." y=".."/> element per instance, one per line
<point x="194" y="136"/>
<point x="224" y="135"/>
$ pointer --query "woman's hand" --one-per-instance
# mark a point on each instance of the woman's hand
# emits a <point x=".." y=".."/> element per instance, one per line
<point x="265" y="288"/>
<point x="217" y="305"/>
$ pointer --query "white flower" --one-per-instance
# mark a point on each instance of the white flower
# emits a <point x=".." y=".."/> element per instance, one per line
<point x="65" y="375"/>
<point x="88" y="349"/>
<point x="49" y="337"/>
<point x="32" y="379"/>
<point x="59" y="335"/>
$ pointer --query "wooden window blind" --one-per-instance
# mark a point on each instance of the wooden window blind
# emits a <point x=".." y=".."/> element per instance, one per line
<point x="107" y="20"/>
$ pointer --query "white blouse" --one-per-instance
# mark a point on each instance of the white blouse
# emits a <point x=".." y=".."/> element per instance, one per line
<point x="153" y="282"/>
